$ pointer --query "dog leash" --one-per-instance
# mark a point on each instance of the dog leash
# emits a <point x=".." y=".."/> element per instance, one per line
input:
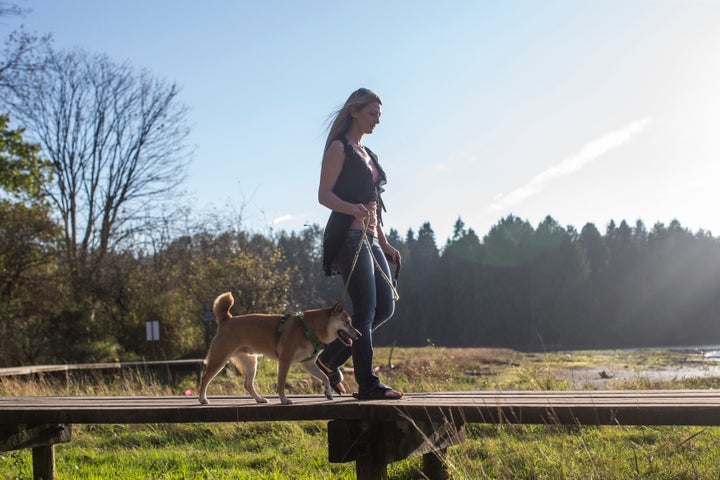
<point x="364" y="241"/>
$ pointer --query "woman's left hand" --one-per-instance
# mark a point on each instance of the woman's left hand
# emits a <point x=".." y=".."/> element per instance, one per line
<point x="392" y="254"/>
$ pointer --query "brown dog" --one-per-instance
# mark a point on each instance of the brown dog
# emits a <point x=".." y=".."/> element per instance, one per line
<point x="242" y="338"/>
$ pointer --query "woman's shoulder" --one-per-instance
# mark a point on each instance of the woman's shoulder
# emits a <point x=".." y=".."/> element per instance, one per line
<point x="338" y="144"/>
<point x="336" y="147"/>
<point x="335" y="153"/>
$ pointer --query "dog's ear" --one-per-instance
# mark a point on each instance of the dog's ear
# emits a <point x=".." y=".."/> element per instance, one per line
<point x="338" y="308"/>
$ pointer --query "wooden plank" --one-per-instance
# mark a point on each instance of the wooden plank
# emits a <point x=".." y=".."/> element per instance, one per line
<point x="597" y="407"/>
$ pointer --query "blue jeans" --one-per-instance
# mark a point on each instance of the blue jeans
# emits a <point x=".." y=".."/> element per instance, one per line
<point x="372" y="305"/>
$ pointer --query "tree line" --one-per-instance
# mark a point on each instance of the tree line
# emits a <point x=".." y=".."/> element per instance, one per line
<point x="551" y="286"/>
<point x="94" y="243"/>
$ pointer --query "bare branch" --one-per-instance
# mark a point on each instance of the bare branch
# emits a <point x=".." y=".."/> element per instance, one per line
<point x="8" y="9"/>
<point x="116" y="138"/>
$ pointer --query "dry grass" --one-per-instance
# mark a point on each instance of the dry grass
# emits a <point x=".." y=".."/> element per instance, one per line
<point x="134" y="383"/>
<point x="421" y="369"/>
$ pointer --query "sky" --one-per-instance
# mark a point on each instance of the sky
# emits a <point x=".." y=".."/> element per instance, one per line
<point x="587" y="111"/>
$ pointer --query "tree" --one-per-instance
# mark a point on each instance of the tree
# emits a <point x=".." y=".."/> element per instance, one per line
<point x="28" y="286"/>
<point x="425" y="249"/>
<point x="593" y="250"/>
<point x="464" y="243"/>
<point x="20" y="48"/>
<point x="172" y="286"/>
<point x="510" y="254"/>
<point x="303" y="253"/>
<point x="23" y="173"/>
<point x="508" y="242"/>
<point x="462" y="283"/>
<point x="116" y="139"/>
<point x="25" y="226"/>
<point x="412" y="322"/>
<point x="553" y="278"/>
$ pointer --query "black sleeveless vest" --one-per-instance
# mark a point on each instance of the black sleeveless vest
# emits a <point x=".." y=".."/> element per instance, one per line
<point x="354" y="185"/>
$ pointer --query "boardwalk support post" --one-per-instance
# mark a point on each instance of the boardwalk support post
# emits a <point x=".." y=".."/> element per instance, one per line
<point x="41" y="439"/>
<point x="374" y="445"/>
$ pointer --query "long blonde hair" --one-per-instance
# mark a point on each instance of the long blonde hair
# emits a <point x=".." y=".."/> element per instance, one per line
<point x="342" y="120"/>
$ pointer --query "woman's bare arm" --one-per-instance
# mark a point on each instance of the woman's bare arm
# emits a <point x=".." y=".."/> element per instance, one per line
<point x="331" y="167"/>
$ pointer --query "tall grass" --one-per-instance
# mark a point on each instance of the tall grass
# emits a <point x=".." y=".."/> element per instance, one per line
<point x="293" y="450"/>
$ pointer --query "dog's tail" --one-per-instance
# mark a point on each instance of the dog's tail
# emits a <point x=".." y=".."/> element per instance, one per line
<point x="221" y="307"/>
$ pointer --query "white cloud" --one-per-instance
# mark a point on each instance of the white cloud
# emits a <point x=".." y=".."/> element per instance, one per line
<point x="283" y="218"/>
<point x="590" y="152"/>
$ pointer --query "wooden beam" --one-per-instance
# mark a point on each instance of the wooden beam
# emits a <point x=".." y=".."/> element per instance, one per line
<point x="367" y="469"/>
<point x="16" y="437"/>
<point x="41" y="438"/>
<point x="434" y="465"/>
<point x="374" y="445"/>
<point x="43" y="462"/>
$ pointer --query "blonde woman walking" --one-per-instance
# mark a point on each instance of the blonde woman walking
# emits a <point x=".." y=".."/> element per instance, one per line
<point x="351" y="182"/>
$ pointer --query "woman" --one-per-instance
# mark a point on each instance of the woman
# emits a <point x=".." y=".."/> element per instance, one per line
<point x="350" y="185"/>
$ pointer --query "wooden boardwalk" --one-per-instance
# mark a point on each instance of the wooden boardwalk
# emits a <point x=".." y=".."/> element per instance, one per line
<point x="584" y="407"/>
<point x="419" y="423"/>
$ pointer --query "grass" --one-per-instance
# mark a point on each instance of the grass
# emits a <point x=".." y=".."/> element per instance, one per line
<point x="293" y="450"/>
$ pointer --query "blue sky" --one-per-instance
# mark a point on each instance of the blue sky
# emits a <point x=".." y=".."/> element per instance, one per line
<point x="588" y="111"/>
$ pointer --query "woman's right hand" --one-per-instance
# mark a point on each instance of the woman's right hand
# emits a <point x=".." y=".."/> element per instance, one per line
<point x="360" y="211"/>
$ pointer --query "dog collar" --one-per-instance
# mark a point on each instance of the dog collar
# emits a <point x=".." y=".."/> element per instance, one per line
<point x="309" y="334"/>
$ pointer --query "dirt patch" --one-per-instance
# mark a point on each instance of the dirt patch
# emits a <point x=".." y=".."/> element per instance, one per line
<point x="660" y="366"/>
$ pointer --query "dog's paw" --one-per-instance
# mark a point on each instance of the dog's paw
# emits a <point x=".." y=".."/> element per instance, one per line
<point x="328" y="393"/>
<point x="286" y="401"/>
<point x="261" y="400"/>
<point x="203" y="401"/>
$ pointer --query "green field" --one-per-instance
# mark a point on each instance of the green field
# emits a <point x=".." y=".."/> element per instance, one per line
<point x="295" y="450"/>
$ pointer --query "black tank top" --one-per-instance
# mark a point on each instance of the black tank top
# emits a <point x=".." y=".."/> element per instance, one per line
<point x="354" y="185"/>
